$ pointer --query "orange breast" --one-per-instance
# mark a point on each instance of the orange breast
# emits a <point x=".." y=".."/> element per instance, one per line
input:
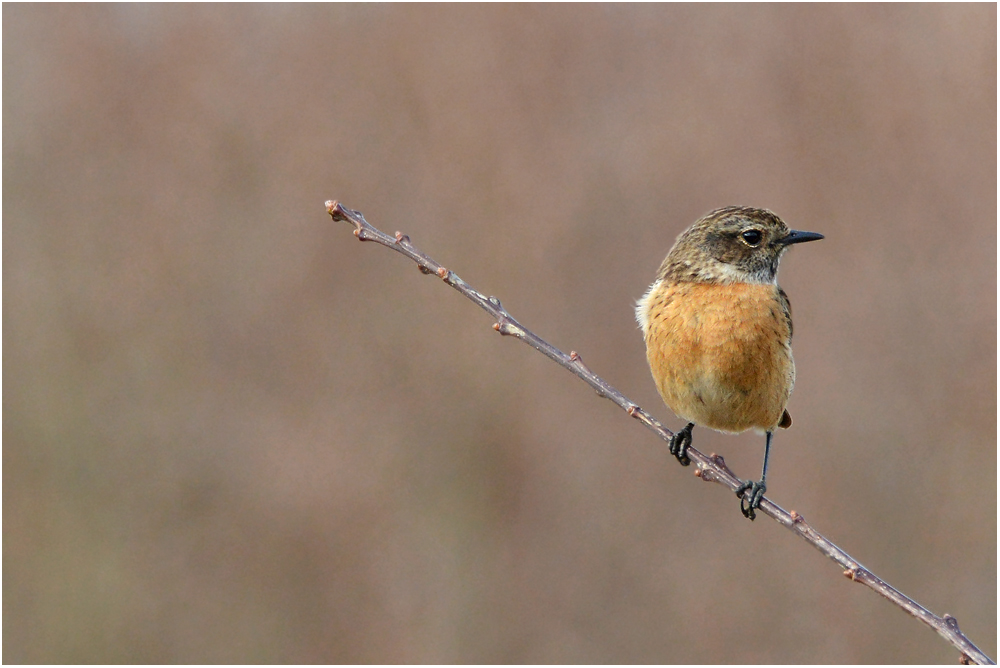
<point x="720" y="354"/>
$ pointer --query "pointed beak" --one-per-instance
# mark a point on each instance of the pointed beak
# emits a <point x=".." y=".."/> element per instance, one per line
<point x="798" y="237"/>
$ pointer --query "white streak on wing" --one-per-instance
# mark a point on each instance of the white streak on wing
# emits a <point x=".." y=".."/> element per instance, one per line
<point x="643" y="305"/>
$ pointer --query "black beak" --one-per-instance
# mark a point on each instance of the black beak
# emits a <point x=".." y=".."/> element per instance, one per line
<point x="798" y="237"/>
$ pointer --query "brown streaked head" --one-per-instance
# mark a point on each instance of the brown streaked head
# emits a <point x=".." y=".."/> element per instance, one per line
<point x="735" y="244"/>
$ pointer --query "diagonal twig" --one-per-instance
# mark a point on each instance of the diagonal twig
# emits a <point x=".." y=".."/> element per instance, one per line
<point x="711" y="468"/>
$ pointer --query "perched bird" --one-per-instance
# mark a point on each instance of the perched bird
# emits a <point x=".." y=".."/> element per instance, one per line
<point x="718" y="330"/>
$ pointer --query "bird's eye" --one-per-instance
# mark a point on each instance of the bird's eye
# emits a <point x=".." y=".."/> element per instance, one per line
<point x="752" y="237"/>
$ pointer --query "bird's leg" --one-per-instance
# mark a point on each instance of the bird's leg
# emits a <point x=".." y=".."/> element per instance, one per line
<point x="751" y="492"/>
<point x="679" y="443"/>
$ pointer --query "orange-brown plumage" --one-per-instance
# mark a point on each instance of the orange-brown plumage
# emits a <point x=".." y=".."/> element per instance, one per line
<point x="721" y="354"/>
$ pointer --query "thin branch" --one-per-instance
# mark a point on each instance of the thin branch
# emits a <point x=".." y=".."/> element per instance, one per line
<point x="711" y="468"/>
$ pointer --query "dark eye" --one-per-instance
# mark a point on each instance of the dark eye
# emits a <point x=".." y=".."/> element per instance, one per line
<point x="752" y="237"/>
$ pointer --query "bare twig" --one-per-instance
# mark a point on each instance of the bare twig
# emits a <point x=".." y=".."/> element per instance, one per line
<point x="711" y="468"/>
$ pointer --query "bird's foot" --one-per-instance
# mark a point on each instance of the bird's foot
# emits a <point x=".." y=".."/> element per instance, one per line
<point x="750" y="494"/>
<point x="679" y="443"/>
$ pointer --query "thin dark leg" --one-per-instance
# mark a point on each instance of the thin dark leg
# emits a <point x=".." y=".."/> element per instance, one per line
<point x="750" y="501"/>
<point x="767" y="453"/>
<point x="679" y="444"/>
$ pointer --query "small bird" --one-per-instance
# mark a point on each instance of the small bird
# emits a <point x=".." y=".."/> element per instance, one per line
<point x="718" y="330"/>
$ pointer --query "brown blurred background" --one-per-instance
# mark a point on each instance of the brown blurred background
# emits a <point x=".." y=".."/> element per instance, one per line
<point x="233" y="433"/>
